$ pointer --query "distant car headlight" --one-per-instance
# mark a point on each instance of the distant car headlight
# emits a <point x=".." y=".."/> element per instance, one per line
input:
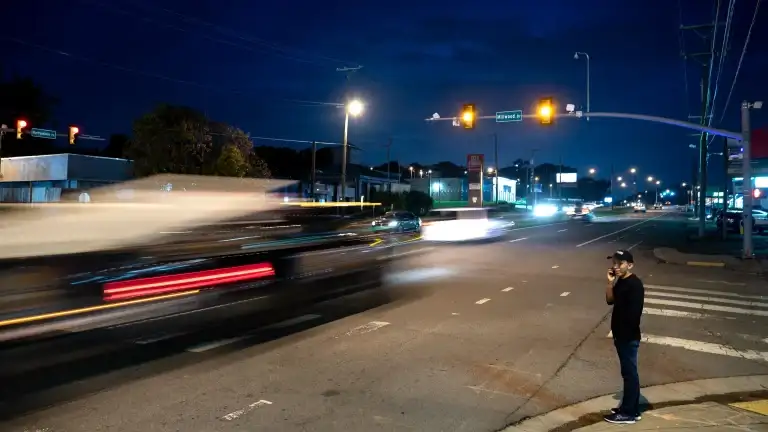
<point x="544" y="210"/>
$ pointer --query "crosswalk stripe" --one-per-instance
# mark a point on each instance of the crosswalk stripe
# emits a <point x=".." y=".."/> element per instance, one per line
<point x="705" y="347"/>
<point x="679" y="314"/>
<point x="704" y="291"/>
<point x="707" y="299"/>
<point x="707" y="307"/>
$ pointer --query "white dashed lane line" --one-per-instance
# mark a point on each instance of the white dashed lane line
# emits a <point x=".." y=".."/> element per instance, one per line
<point x="508" y="289"/>
<point x="517" y="240"/>
<point x="565" y="294"/>
<point x="481" y="301"/>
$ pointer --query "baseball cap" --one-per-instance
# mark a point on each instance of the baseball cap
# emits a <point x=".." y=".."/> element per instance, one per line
<point x="622" y="255"/>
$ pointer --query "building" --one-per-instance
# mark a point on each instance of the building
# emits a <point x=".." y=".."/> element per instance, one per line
<point x="457" y="188"/>
<point x="49" y="178"/>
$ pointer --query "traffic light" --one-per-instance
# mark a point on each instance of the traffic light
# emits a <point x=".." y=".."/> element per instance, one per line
<point x="20" y="125"/>
<point x="546" y="111"/>
<point x="74" y="131"/>
<point x="468" y="116"/>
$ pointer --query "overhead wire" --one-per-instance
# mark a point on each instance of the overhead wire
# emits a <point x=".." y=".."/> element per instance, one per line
<point x="741" y="60"/>
<point x="681" y="44"/>
<point x="158" y="76"/>
<point x="721" y="61"/>
<point x="160" y="24"/>
<point x="248" y="38"/>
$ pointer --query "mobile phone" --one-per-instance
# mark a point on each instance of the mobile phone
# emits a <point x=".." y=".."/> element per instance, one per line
<point x="612" y="271"/>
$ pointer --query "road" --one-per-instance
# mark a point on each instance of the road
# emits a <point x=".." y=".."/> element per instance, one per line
<point x="468" y="338"/>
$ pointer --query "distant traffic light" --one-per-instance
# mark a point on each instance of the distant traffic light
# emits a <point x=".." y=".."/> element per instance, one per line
<point x="546" y="111"/>
<point x="20" y="125"/>
<point x="468" y="116"/>
<point x="74" y="131"/>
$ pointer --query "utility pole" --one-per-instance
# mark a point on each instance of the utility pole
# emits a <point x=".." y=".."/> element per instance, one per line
<point x="389" y="162"/>
<point x="704" y="59"/>
<point x="560" y="182"/>
<point x="747" y="176"/>
<point x="611" y="188"/>
<point x="725" y="187"/>
<point x="313" y="174"/>
<point x="496" y="162"/>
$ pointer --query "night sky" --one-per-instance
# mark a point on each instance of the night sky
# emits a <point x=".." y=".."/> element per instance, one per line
<point x="252" y="63"/>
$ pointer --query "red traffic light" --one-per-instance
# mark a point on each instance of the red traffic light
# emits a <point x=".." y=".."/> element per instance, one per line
<point x="75" y="130"/>
<point x="21" y="124"/>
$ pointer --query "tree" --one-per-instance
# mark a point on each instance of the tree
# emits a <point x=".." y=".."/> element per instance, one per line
<point x="231" y="162"/>
<point x="117" y="147"/>
<point x="170" y="139"/>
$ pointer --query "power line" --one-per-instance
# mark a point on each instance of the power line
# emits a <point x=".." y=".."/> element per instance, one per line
<point x="204" y="36"/>
<point x="157" y="76"/>
<point x="721" y="60"/>
<point x="681" y="44"/>
<point x="276" y="49"/>
<point x="741" y="59"/>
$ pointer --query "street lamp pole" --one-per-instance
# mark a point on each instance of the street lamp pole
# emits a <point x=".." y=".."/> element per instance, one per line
<point x="354" y="108"/>
<point x="576" y="57"/>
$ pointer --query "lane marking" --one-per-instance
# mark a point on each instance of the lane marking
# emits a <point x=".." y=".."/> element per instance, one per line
<point x="293" y="321"/>
<point x="153" y="339"/>
<point x="517" y="240"/>
<point x="704" y="291"/>
<point x="705" y="347"/>
<point x="367" y="328"/>
<point x="565" y="294"/>
<point x="174" y="232"/>
<point x="215" y="344"/>
<point x="481" y="301"/>
<point x="633" y="246"/>
<point x="563" y="230"/>
<point x="404" y="253"/>
<point x="721" y="282"/>
<point x="238" y="238"/>
<point x="707" y="307"/>
<point x="536" y="226"/>
<point x="616" y="232"/>
<point x="610" y="334"/>
<point x="708" y="299"/>
<point x="508" y="289"/>
<point x="555" y="266"/>
<point x="234" y="415"/>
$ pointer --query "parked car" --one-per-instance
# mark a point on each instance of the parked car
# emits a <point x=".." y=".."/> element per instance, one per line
<point x="733" y="220"/>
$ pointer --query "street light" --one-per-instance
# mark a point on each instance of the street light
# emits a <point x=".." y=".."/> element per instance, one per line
<point x="586" y="56"/>
<point x="490" y="170"/>
<point x="410" y="168"/>
<point x="650" y="178"/>
<point x="592" y="170"/>
<point x="623" y="184"/>
<point x="353" y="108"/>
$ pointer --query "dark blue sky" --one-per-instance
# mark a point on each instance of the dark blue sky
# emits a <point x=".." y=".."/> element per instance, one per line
<point x="249" y="63"/>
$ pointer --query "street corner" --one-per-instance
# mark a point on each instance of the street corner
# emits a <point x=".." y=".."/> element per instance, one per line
<point x="735" y="401"/>
<point x="695" y="415"/>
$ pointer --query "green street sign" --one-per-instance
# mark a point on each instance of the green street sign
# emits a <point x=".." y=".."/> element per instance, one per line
<point x="43" y="133"/>
<point x="509" y="116"/>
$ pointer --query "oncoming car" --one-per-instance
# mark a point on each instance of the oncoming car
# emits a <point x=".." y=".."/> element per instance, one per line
<point x="464" y="224"/>
<point x="639" y="207"/>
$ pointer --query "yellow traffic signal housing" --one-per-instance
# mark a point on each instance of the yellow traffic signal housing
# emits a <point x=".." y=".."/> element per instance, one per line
<point x="468" y="116"/>
<point x="20" y="125"/>
<point x="74" y="131"/>
<point x="546" y="111"/>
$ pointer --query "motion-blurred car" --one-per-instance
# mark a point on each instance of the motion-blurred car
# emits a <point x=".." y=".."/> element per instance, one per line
<point x="397" y="221"/>
<point x="658" y="206"/>
<point x="580" y="211"/>
<point x="465" y="224"/>
<point x="639" y="207"/>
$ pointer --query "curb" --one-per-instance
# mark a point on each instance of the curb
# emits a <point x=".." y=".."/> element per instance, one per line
<point x="706" y="263"/>
<point x="675" y="393"/>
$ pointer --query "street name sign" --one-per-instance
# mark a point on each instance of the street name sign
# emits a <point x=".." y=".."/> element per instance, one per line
<point x="43" y="133"/>
<point x="509" y="116"/>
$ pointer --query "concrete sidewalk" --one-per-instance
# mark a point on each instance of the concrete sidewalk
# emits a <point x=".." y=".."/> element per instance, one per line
<point x="718" y="403"/>
<point x="715" y="416"/>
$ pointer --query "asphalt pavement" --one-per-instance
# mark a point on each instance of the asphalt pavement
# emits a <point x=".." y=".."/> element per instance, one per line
<point x="469" y="337"/>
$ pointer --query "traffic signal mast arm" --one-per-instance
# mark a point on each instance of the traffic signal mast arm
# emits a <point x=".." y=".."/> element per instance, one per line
<point x="655" y="119"/>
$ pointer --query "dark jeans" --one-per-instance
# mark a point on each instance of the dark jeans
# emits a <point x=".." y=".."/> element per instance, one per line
<point x="627" y="351"/>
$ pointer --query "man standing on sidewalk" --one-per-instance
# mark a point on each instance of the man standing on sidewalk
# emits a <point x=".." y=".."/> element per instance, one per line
<point x="626" y="293"/>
